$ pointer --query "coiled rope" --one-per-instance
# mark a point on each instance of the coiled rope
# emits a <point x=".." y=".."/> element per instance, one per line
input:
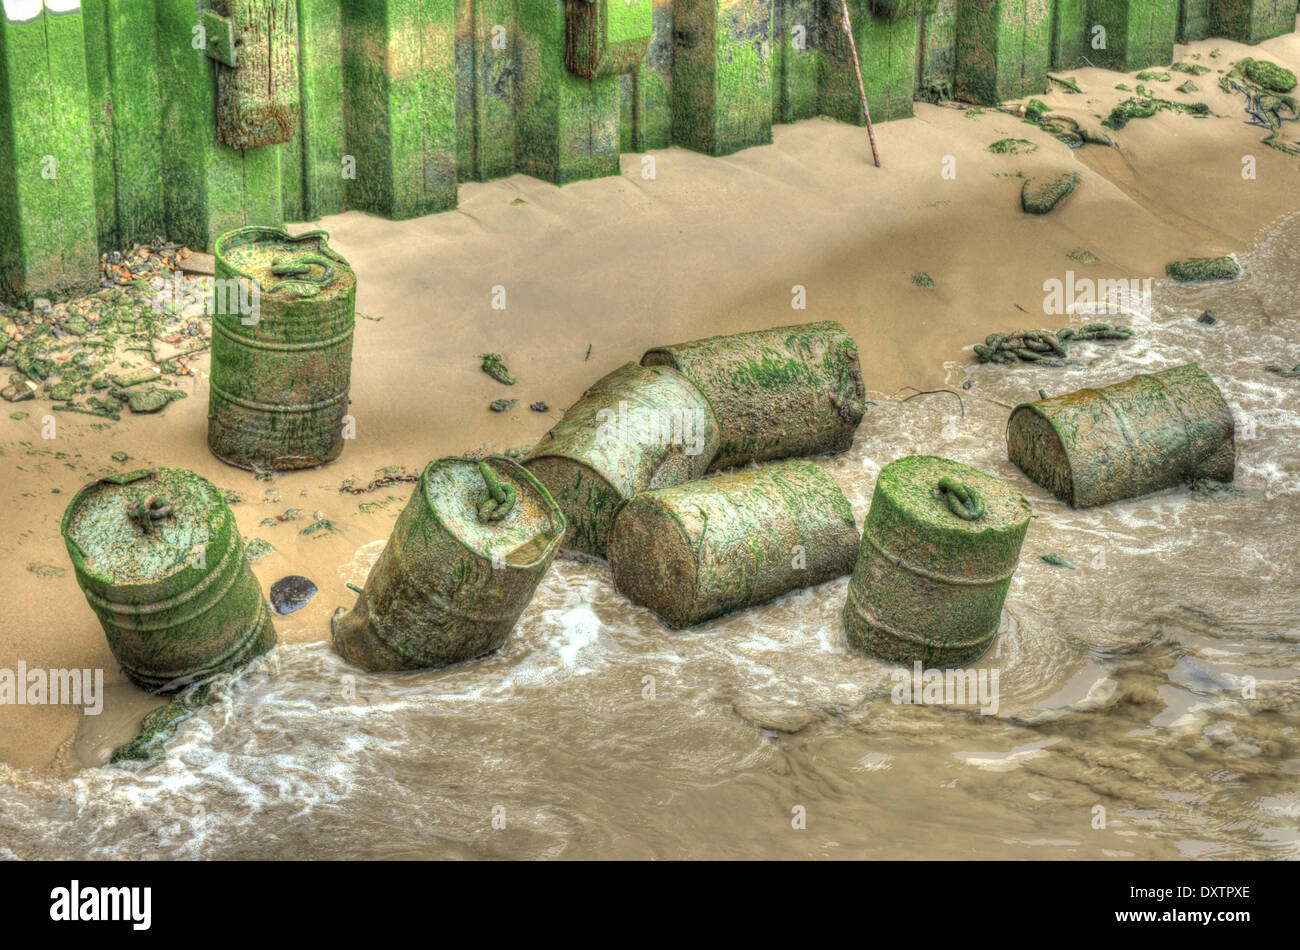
<point x="144" y="514"/>
<point x="496" y="500"/>
<point x="962" y="500"/>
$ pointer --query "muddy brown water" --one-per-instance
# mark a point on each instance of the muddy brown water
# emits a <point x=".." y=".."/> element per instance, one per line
<point x="1147" y="700"/>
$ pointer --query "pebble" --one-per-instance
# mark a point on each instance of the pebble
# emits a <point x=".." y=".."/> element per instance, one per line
<point x="18" y="392"/>
<point x="775" y="717"/>
<point x="1209" y="318"/>
<point x="291" y="593"/>
<point x="540" y="407"/>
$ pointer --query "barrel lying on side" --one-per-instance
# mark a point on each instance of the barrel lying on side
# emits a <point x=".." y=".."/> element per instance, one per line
<point x="939" y="547"/>
<point x="1150" y="432"/>
<point x="159" y="557"/>
<point x="280" y="373"/>
<point x="637" y="428"/>
<point x="459" y="569"/>
<point x="700" y="550"/>
<point x="778" y="393"/>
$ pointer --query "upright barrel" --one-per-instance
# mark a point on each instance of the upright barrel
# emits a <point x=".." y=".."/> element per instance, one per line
<point x="696" y="551"/>
<point x="160" y="560"/>
<point x="639" y="427"/>
<point x="463" y="561"/>
<point x="778" y="393"/>
<point x="283" y="313"/>
<point x="939" y="548"/>
<point x="1095" y="446"/>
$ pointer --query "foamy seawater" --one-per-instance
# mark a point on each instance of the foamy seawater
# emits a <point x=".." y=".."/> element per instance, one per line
<point x="1147" y="701"/>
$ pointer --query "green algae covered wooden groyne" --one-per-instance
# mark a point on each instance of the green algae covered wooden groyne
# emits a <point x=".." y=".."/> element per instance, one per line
<point x="125" y="120"/>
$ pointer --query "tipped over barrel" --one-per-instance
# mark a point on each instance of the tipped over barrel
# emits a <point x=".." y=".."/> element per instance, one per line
<point x="779" y="393"/>
<point x="1147" y="433"/>
<point x="639" y="427"/>
<point x="283" y="311"/>
<point x="703" y="549"/>
<point x="463" y="561"/>
<point x="939" y="548"/>
<point x="160" y="560"/>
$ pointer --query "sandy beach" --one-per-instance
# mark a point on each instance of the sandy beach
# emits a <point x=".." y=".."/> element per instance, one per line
<point x="701" y="247"/>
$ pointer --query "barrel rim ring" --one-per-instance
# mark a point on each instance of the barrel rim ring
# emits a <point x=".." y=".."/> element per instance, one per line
<point x="224" y="329"/>
<point x="98" y="601"/>
<point x="868" y="616"/>
<point x="937" y="576"/>
<point x="224" y="662"/>
<point x="287" y="409"/>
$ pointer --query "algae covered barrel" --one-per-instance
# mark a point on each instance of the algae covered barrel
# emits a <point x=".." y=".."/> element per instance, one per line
<point x="463" y="561"/>
<point x="1155" y="431"/>
<point x="283" y="312"/>
<point x="639" y="427"/>
<point x="696" y="551"/>
<point x="778" y="393"/>
<point x="939" y="547"/>
<point x="159" y="557"/>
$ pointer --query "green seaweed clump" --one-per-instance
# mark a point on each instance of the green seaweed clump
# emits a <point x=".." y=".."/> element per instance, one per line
<point x="1013" y="147"/>
<point x="1188" y="87"/>
<point x="1042" y="346"/>
<point x="1070" y="84"/>
<point x="1154" y="75"/>
<point x="160" y="724"/>
<point x="1292" y="373"/>
<point x="1041" y="194"/>
<point x="1083" y="256"/>
<point x="1144" y="107"/>
<point x="256" y="549"/>
<point x="494" y="366"/>
<point x="1056" y="561"/>
<point x="1196" y="69"/>
<point x="923" y="279"/>
<point x="1268" y="75"/>
<point x="1035" y="109"/>
<point x="502" y="405"/>
<point x="1204" y="268"/>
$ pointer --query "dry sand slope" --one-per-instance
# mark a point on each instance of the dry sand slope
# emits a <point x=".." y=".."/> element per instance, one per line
<point x="706" y="246"/>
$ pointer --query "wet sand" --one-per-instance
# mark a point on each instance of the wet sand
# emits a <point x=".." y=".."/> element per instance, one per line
<point x="707" y="246"/>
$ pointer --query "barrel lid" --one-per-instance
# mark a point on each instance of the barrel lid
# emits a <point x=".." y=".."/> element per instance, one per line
<point x="534" y="525"/>
<point x="106" y="542"/>
<point x="913" y="523"/>
<point x="912" y="485"/>
<point x="280" y="263"/>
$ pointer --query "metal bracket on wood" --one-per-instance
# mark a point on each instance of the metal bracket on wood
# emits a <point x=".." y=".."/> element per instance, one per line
<point x="219" y="38"/>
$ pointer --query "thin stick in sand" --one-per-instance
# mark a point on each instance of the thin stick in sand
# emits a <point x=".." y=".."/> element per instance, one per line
<point x="862" y="91"/>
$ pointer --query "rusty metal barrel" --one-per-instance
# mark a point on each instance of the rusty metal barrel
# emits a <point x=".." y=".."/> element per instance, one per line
<point x="1095" y="446"/>
<point x="939" y="548"/>
<point x="778" y="393"/>
<point x="463" y="561"/>
<point x="639" y="427"/>
<point x="160" y="560"/>
<point x="696" y="551"/>
<point x="283" y="312"/>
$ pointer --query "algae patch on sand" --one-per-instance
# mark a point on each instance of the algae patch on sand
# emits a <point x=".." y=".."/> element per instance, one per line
<point x="1204" y="268"/>
<point x="1041" y="194"/>
<point x="1013" y="147"/>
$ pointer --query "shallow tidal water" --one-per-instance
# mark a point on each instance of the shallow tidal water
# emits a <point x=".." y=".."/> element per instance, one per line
<point x="1147" y="700"/>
